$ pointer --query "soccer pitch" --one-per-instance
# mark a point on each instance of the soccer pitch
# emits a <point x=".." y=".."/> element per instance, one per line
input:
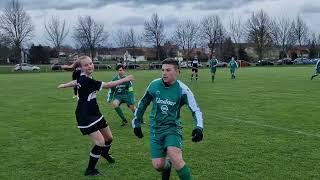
<point x="263" y="125"/>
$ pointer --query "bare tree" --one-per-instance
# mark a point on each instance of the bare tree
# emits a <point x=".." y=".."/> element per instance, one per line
<point x="154" y="32"/>
<point x="259" y="32"/>
<point x="301" y="31"/>
<point x="16" y="24"/>
<point x="185" y="35"/>
<point x="4" y="40"/>
<point x="283" y="34"/>
<point x="133" y="40"/>
<point x="312" y="46"/>
<point x="236" y="32"/>
<point x="89" y="34"/>
<point x="57" y="32"/>
<point x="236" y="29"/>
<point x="127" y="38"/>
<point x="179" y="36"/>
<point x="223" y="39"/>
<point x="209" y="30"/>
<point x="121" y="38"/>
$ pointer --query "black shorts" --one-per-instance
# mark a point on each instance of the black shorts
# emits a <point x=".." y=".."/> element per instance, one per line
<point x="195" y="70"/>
<point x="96" y="127"/>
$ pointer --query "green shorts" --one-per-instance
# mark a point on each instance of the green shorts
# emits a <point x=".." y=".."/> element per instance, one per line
<point x="160" y="142"/>
<point x="232" y="70"/>
<point x="213" y="70"/>
<point x="129" y="99"/>
<point x="318" y="71"/>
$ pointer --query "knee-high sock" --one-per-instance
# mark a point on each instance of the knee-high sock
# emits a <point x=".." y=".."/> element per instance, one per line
<point x="184" y="173"/>
<point x="120" y="113"/>
<point x="94" y="156"/>
<point x="106" y="148"/>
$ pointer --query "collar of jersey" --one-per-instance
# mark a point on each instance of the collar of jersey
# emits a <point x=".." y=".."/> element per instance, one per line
<point x="121" y="77"/>
<point x="83" y="74"/>
<point x="164" y="85"/>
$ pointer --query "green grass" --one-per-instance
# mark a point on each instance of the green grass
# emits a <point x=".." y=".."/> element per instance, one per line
<point x="263" y="125"/>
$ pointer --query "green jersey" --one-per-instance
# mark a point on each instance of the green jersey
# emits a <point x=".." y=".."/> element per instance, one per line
<point x="121" y="90"/>
<point x="166" y="104"/>
<point x="233" y="64"/>
<point x="213" y="63"/>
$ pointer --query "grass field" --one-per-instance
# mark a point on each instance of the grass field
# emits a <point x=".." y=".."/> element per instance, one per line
<point x="263" y="125"/>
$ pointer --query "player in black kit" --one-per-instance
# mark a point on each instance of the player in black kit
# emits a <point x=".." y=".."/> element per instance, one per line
<point x="195" y="66"/>
<point x="89" y="118"/>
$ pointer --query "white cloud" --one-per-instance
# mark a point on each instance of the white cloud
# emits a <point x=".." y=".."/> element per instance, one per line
<point x="115" y="14"/>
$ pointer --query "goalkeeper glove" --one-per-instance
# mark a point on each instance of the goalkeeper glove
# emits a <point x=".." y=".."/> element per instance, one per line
<point x="197" y="135"/>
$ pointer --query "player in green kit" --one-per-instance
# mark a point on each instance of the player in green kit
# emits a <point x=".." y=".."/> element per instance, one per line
<point x="233" y="65"/>
<point x="168" y="95"/>
<point x="122" y="93"/>
<point x="317" y="70"/>
<point x="213" y="67"/>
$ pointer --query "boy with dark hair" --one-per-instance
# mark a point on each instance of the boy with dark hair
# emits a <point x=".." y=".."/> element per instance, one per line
<point x="90" y="121"/>
<point x="122" y="93"/>
<point x="168" y="95"/>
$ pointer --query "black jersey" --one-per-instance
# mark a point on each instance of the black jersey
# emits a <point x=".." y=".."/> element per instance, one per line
<point x="195" y="63"/>
<point x="87" y="112"/>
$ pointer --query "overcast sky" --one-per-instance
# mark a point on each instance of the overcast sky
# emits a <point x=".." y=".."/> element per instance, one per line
<point x="115" y="14"/>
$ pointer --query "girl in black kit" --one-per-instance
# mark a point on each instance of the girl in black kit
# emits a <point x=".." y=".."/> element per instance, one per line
<point x="90" y="121"/>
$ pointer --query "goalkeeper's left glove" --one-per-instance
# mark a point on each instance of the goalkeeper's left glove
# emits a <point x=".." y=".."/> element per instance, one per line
<point x="197" y="134"/>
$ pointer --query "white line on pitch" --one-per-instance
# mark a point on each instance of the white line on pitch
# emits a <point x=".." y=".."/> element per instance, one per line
<point x="271" y="127"/>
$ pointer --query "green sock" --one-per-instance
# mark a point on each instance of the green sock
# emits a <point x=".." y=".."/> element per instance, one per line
<point x="120" y="113"/>
<point x="212" y="78"/>
<point x="184" y="173"/>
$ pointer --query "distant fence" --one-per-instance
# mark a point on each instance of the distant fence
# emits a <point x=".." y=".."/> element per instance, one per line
<point x="7" y="69"/>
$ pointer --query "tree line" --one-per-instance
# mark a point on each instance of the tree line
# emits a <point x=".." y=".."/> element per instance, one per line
<point x="260" y="30"/>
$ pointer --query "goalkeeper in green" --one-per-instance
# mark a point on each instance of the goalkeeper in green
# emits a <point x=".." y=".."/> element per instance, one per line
<point x="213" y="63"/>
<point x="233" y="65"/>
<point x="168" y="95"/>
<point x="122" y="93"/>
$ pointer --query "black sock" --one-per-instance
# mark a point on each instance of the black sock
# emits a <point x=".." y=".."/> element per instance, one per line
<point x="94" y="156"/>
<point x="196" y="77"/>
<point x="105" y="149"/>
